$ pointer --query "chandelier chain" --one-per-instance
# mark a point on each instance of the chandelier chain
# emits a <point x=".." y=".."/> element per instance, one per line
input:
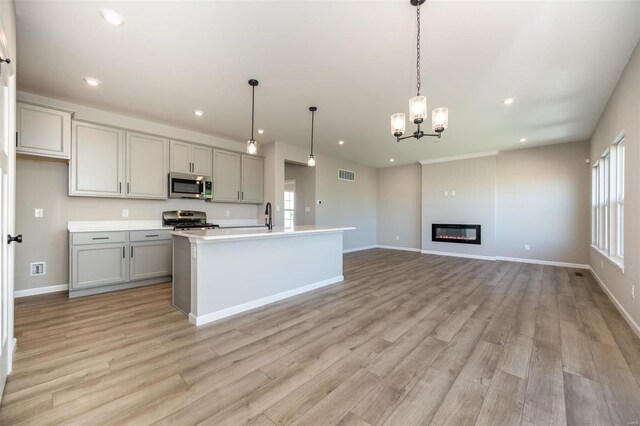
<point x="418" y="52"/>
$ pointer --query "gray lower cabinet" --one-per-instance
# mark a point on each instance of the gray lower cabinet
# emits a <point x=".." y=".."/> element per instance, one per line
<point x="150" y="259"/>
<point x="99" y="264"/>
<point x="107" y="261"/>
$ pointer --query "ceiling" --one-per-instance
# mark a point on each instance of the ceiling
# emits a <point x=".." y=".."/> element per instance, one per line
<point x="354" y="60"/>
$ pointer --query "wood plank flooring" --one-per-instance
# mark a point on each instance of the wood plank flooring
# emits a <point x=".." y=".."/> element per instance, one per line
<point x="406" y="339"/>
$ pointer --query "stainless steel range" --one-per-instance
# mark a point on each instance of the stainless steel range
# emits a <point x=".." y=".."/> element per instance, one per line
<point x="186" y="220"/>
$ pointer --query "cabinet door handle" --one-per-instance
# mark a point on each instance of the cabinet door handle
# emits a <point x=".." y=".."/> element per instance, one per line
<point x="132" y="252"/>
<point x="238" y="195"/>
<point x="242" y="195"/>
<point x="152" y="235"/>
<point x="100" y="238"/>
<point x="17" y="138"/>
<point x="120" y="188"/>
<point x="127" y="187"/>
<point x="123" y="253"/>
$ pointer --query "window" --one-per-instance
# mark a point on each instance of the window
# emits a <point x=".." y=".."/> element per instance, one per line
<point x="289" y="204"/>
<point x="619" y="200"/>
<point x="607" y="202"/>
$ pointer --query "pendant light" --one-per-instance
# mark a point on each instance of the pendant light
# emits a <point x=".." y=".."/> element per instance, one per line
<point x="252" y="146"/>
<point x="311" y="162"/>
<point x="418" y="104"/>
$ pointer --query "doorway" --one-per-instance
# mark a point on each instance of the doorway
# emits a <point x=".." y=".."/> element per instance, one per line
<point x="299" y="195"/>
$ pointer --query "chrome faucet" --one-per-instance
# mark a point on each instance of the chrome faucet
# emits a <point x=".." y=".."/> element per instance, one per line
<point x="268" y="221"/>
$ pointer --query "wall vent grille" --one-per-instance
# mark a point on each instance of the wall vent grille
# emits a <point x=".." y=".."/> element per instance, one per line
<point x="346" y="175"/>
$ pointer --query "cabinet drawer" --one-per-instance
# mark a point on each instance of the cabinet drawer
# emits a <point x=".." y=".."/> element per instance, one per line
<point x="98" y="237"/>
<point x="149" y="235"/>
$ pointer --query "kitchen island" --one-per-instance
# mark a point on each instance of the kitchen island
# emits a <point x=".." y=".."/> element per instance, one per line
<point x="222" y="272"/>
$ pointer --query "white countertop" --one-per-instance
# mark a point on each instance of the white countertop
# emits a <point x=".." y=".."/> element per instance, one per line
<point x="228" y="234"/>
<point x="115" y="225"/>
<point x="149" y="225"/>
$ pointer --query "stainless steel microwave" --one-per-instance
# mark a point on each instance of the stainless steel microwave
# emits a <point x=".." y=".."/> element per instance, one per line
<point x="183" y="185"/>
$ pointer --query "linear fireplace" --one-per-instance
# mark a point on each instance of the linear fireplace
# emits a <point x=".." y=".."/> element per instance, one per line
<point x="453" y="233"/>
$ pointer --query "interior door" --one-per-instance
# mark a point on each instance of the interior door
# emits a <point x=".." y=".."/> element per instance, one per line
<point x="7" y="203"/>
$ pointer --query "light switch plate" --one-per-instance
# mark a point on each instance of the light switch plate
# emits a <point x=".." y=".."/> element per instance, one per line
<point x="39" y="212"/>
<point x="125" y="213"/>
<point x="307" y="209"/>
<point x="227" y="213"/>
<point x="527" y="247"/>
<point x="453" y="193"/>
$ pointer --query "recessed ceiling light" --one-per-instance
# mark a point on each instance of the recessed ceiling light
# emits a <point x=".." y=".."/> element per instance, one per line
<point x="508" y="101"/>
<point x="522" y="140"/>
<point x="391" y="160"/>
<point x="112" y="17"/>
<point x="341" y="142"/>
<point x="91" y="81"/>
<point x="260" y="131"/>
<point x="198" y="113"/>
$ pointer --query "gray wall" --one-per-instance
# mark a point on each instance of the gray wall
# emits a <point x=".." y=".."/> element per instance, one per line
<point x="399" y="206"/>
<point x="305" y="178"/>
<point x="623" y="113"/>
<point x="42" y="184"/>
<point x="343" y="203"/>
<point x="474" y="202"/>
<point x="543" y="200"/>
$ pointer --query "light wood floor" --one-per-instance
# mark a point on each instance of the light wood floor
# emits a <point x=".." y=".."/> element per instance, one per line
<point x="407" y="339"/>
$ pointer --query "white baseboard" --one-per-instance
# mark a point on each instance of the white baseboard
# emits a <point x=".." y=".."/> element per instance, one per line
<point x="40" y="290"/>
<point x="214" y="316"/>
<point x="358" y="249"/>
<point x="634" y="325"/>
<point x="543" y="262"/>
<point x="399" y="248"/>
<point x="470" y="256"/>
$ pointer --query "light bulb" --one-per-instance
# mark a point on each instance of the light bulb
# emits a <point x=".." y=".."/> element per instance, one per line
<point x="418" y="109"/>
<point x="312" y="161"/>
<point x="440" y="119"/>
<point x="397" y="124"/>
<point x="252" y="147"/>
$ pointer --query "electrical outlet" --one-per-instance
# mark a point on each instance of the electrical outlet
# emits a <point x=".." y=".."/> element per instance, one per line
<point x="277" y="208"/>
<point x="446" y="193"/>
<point x="307" y="209"/>
<point x="397" y="237"/>
<point x="527" y="247"/>
<point x="633" y="291"/>
<point x="453" y="193"/>
<point x="227" y="213"/>
<point x="39" y="212"/>
<point x="37" y="268"/>
<point x="125" y="213"/>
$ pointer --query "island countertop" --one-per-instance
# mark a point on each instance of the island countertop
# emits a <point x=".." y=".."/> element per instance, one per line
<point x="230" y="234"/>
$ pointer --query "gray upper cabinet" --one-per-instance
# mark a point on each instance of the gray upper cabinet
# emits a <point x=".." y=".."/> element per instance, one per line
<point x="226" y="176"/>
<point x="252" y="179"/>
<point x="43" y="131"/>
<point x="97" y="161"/>
<point x="191" y="158"/>
<point x="147" y="158"/>
<point x="202" y="159"/>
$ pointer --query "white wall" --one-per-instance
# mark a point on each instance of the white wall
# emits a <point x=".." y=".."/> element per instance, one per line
<point x="474" y="202"/>
<point x="399" y="206"/>
<point x="543" y="201"/>
<point x="623" y="114"/>
<point x="536" y="196"/>
<point x="342" y="203"/>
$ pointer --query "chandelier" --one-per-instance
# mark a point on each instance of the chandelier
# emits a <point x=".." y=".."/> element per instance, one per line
<point x="418" y="104"/>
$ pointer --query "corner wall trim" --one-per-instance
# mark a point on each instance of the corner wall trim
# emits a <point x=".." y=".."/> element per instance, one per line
<point x="398" y="248"/>
<point x="470" y="256"/>
<point x="358" y="249"/>
<point x="40" y="290"/>
<point x="214" y="316"/>
<point x="459" y="157"/>
<point x="634" y="325"/>
<point x="543" y="262"/>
